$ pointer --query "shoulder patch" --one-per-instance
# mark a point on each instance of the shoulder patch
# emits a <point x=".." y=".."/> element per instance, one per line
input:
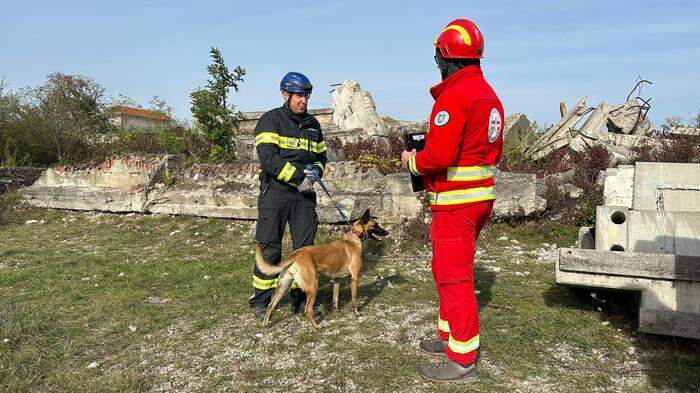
<point x="495" y="123"/>
<point x="441" y="118"/>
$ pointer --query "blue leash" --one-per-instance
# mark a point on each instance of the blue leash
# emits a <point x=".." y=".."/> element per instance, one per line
<point x="323" y="186"/>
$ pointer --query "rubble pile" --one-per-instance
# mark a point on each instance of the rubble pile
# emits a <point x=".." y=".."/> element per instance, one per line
<point x="618" y="128"/>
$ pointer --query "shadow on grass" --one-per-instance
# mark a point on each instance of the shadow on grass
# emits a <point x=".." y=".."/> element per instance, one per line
<point x="670" y="363"/>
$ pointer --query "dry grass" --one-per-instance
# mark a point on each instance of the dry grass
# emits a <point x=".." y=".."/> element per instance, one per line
<point x="71" y="288"/>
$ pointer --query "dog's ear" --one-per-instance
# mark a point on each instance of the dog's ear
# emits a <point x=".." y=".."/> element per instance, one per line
<point x="365" y="217"/>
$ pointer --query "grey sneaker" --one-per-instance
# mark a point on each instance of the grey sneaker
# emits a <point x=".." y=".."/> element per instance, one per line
<point x="433" y="346"/>
<point x="448" y="371"/>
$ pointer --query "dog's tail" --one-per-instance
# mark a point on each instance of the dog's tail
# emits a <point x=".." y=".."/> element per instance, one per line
<point x="268" y="268"/>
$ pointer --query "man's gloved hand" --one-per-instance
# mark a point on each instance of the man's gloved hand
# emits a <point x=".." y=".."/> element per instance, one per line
<point x="307" y="185"/>
<point x="313" y="171"/>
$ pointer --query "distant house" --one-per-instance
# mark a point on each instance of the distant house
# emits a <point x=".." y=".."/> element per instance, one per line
<point x="136" y="118"/>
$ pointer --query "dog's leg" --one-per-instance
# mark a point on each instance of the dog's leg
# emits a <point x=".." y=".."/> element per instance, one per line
<point x="311" y="287"/>
<point x="354" y="285"/>
<point x="282" y="286"/>
<point x="336" y="292"/>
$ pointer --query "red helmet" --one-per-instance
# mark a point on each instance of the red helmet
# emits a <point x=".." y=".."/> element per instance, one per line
<point x="461" y="39"/>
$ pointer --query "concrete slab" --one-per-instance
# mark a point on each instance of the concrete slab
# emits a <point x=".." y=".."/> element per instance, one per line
<point x="666" y="186"/>
<point x="669" y="284"/>
<point x="619" y="186"/>
<point x="560" y="134"/>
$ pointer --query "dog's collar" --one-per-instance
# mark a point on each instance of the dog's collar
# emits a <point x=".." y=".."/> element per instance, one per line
<point x="360" y="235"/>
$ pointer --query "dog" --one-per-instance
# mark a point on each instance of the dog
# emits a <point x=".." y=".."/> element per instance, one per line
<point x="338" y="259"/>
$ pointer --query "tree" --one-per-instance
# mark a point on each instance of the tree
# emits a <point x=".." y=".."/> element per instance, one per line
<point x="211" y="107"/>
<point x="71" y="111"/>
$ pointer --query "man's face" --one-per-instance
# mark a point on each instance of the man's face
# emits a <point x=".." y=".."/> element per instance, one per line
<point x="297" y="101"/>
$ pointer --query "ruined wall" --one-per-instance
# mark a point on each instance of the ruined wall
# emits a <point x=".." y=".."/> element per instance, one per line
<point x="136" y="184"/>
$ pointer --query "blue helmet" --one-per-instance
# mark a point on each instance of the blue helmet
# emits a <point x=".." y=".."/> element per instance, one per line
<point x="296" y="82"/>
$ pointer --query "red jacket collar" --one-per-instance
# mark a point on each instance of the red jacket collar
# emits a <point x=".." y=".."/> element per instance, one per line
<point x="472" y="70"/>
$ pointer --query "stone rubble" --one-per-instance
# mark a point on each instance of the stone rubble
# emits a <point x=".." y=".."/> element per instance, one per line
<point x="354" y="108"/>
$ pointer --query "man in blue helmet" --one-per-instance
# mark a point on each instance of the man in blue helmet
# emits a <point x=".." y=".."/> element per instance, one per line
<point x="290" y="148"/>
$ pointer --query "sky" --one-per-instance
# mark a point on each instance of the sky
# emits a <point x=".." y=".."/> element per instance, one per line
<point x="537" y="53"/>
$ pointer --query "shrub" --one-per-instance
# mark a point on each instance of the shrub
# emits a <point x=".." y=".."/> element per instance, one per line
<point x="385" y="155"/>
<point x="672" y="148"/>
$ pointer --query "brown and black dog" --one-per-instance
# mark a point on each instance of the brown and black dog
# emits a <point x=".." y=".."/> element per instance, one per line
<point x="339" y="259"/>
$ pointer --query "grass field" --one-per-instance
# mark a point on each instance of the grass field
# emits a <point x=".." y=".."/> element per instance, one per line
<point x="105" y="302"/>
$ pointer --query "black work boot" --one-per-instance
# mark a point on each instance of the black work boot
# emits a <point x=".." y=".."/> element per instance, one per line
<point x="448" y="371"/>
<point x="433" y="346"/>
<point x="259" y="311"/>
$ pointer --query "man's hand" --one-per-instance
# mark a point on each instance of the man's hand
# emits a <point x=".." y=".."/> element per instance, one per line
<point x="307" y="185"/>
<point x="405" y="156"/>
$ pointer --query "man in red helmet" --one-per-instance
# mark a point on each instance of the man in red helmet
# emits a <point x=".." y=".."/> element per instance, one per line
<point x="463" y="146"/>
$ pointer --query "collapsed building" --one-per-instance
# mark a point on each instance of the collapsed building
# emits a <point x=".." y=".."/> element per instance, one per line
<point x="618" y="128"/>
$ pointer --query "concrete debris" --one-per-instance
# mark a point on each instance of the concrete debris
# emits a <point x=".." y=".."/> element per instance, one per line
<point x="666" y="186"/>
<point x="628" y="118"/>
<point x="619" y="186"/>
<point x="516" y="195"/>
<point x="618" y="128"/>
<point x="690" y="131"/>
<point x="646" y="238"/>
<point x="354" y="108"/>
<point x="560" y="134"/>
<point x="230" y="191"/>
<point x="517" y="125"/>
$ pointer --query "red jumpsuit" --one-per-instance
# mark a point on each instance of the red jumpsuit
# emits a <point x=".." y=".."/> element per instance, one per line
<point x="463" y="145"/>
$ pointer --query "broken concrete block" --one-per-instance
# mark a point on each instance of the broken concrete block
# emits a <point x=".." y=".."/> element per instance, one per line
<point x="628" y="118"/>
<point x="560" y="134"/>
<point x="516" y="195"/>
<point x="354" y="108"/>
<point x="593" y="126"/>
<point x="666" y="186"/>
<point x="118" y="185"/>
<point x="611" y="228"/>
<point x="690" y="131"/>
<point x="586" y="238"/>
<point x="517" y="125"/>
<point x="619" y="186"/>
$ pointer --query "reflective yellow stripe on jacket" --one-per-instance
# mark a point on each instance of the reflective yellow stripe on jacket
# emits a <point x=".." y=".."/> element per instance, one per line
<point x="464" y="346"/>
<point x="291" y="143"/>
<point x="412" y="165"/>
<point x="470" y="173"/>
<point x="287" y="172"/>
<point x="456" y="197"/>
